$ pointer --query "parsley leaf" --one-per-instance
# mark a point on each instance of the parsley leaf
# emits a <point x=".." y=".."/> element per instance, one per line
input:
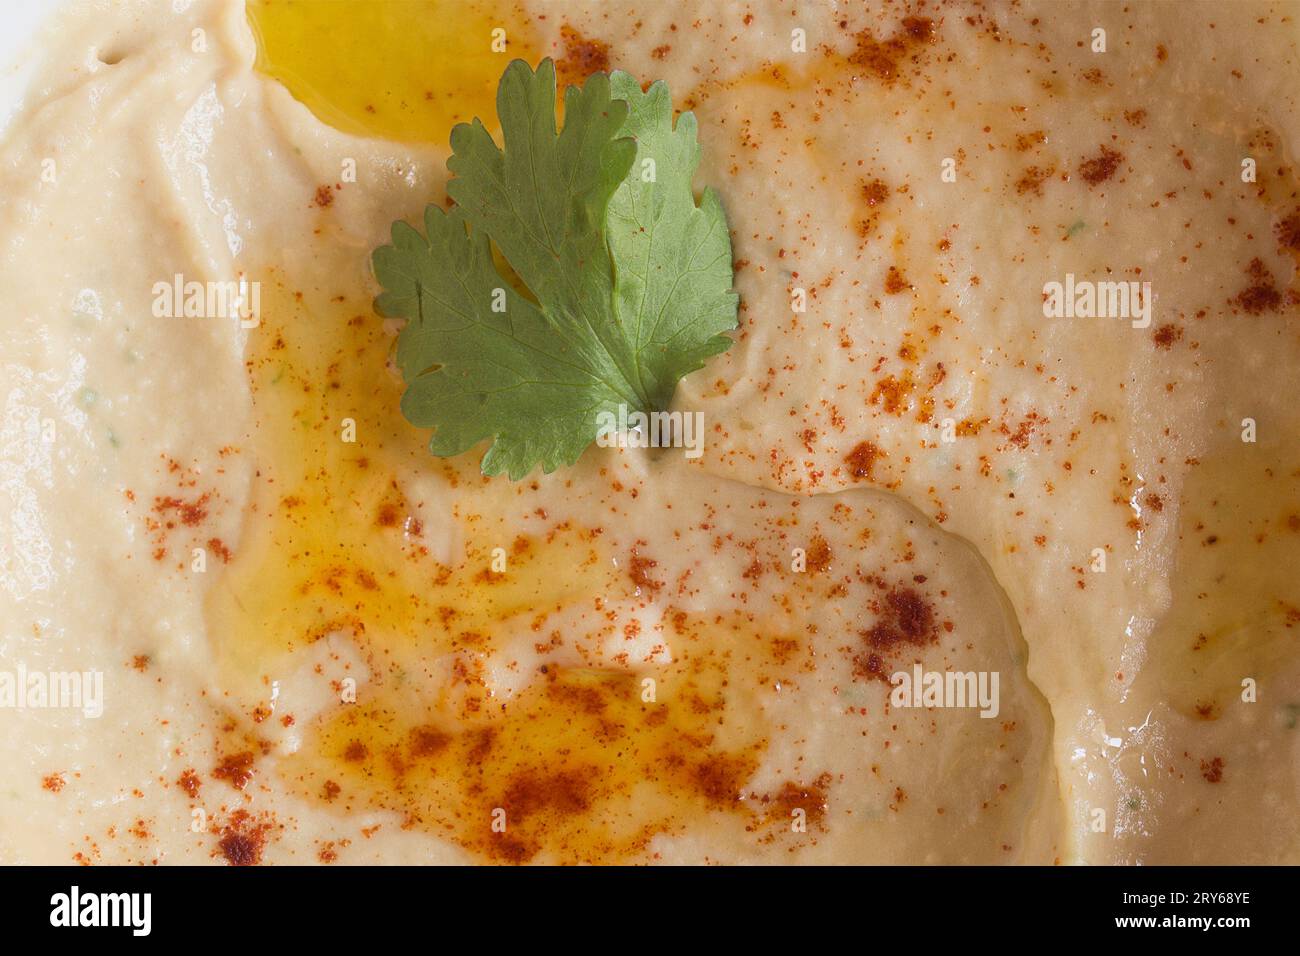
<point x="628" y="282"/>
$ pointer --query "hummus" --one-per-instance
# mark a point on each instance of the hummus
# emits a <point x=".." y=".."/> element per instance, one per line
<point x="959" y="574"/>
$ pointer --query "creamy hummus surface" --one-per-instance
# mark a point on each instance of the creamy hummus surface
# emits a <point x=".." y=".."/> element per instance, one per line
<point x="246" y="617"/>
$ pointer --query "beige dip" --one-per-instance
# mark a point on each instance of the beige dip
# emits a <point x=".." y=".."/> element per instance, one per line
<point x="315" y="641"/>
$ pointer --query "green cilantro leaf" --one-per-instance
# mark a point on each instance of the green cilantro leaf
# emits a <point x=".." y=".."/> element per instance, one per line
<point x="672" y="259"/>
<point x="628" y="282"/>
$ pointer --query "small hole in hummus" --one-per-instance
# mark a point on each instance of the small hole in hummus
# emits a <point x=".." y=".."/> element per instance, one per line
<point x="111" y="56"/>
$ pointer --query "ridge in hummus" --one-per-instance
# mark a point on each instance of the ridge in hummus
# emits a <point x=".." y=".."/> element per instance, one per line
<point x="326" y="645"/>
